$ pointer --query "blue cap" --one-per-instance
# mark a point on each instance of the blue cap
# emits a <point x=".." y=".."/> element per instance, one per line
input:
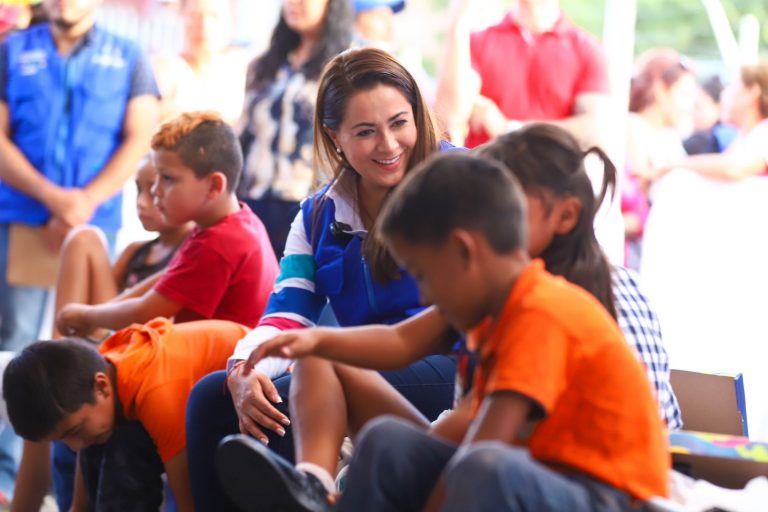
<point x="364" y="5"/>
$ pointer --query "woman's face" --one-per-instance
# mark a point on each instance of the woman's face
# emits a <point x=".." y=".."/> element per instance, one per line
<point x="305" y="16"/>
<point x="679" y="102"/>
<point x="377" y="136"/>
<point x="738" y="102"/>
<point x="208" y="24"/>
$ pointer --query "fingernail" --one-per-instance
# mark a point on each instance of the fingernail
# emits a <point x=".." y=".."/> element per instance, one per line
<point x="277" y="399"/>
<point x="286" y="422"/>
<point x="280" y="432"/>
<point x="264" y="441"/>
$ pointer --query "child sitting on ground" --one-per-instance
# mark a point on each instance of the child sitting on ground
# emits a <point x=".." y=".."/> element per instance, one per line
<point x="121" y="406"/>
<point x="86" y="275"/>
<point x="554" y="373"/>
<point x="549" y="164"/>
<point x="226" y="267"/>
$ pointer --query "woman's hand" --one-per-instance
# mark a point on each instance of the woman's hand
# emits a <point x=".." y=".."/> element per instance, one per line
<point x="253" y="395"/>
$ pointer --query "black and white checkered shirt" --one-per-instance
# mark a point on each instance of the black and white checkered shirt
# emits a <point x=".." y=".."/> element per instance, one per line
<point x="641" y="328"/>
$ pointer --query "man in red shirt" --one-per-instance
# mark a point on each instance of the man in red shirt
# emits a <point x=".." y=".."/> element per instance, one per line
<point x="535" y="65"/>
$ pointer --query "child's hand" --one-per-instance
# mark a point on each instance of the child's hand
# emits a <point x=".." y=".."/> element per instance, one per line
<point x="291" y="344"/>
<point x="72" y="320"/>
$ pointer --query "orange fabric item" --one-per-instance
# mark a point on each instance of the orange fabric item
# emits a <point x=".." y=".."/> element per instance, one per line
<point x="556" y="345"/>
<point x="158" y="363"/>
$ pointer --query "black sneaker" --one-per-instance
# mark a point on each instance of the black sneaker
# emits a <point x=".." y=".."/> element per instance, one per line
<point x="257" y="479"/>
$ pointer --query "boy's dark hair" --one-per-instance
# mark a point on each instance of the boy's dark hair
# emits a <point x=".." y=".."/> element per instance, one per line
<point x="549" y="164"/>
<point x="205" y="144"/>
<point x="457" y="191"/>
<point x="47" y="381"/>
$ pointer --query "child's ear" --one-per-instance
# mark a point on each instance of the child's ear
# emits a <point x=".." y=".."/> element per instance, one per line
<point x="102" y="385"/>
<point x="464" y="244"/>
<point x="567" y="213"/>
<point x="218" y="184"/>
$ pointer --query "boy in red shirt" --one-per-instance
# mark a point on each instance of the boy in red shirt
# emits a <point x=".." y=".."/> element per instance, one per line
<point x="121" y="406"/>
<point x="561" y="416"/>
<point x="226" y="268"/>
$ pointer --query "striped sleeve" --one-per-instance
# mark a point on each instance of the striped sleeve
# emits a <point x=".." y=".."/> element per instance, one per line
<point x="293" y="296"/>
<point x="293" y="302"/>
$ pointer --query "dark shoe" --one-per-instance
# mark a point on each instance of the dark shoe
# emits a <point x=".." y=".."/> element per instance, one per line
<point x="257" y="479"/>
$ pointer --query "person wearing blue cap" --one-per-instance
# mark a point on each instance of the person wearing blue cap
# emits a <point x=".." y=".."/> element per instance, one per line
<point x="373" y="21"/>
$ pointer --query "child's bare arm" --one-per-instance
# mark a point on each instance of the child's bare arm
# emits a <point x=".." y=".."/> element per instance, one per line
<point x="79" y="494"/>
<point x="33" y="478"/>
<point x="178" y="478"/>
<point x="140" y="288"/>
<point x="454" y="426"/>
<point x="502" y="416"/>
<point x="378" y="347"/>
<point x="80" y="319"/>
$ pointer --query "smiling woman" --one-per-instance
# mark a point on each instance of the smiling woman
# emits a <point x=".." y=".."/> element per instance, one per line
<point x="371" y="127"/>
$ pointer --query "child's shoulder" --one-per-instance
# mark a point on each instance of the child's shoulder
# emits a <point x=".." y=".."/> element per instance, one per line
<point x="565" y="304"/>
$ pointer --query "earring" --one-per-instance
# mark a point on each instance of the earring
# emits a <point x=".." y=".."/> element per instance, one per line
<point x="338" y="150"/>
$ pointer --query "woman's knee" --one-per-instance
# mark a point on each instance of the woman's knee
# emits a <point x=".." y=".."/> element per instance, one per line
<point x="207" y="396"/>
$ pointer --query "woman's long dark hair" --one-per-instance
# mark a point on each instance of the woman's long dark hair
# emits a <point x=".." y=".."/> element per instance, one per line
<point x="347" y="74"/>
<point x="335" y="37"/>
<point x="548" y="162"/>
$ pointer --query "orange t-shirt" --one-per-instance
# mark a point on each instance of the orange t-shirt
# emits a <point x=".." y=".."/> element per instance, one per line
<point x="158" y="363"/>
<point x="555" y="344"/>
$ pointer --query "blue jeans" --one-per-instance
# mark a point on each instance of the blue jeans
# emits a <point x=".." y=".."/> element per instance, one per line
<point x="21" y="307"/>
<point x="211" y="416"/>
<point x="125" y="473"/>
<point x="396" y="465"/>
<point x="428" y="384"/>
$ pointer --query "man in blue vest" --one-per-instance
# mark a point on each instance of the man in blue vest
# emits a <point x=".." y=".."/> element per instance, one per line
<point x="77" y="109"/>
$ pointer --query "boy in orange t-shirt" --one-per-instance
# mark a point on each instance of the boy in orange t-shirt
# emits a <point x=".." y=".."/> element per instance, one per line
<point x="103" y="402"/>
<point x="561" y="416"/>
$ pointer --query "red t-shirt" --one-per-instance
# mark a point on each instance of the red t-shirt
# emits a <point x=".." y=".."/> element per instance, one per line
<point x="225" y="271"/>
<point x="535" y="77"/>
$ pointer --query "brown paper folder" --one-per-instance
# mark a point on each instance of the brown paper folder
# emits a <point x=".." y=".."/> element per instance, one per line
<point x="31" y="262"/>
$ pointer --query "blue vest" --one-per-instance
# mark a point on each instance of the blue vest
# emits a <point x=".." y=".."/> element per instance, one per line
<point x="66" y="114"/>
<point x="345" y="278"/>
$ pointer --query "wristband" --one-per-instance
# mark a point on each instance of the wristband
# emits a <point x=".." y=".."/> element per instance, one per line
<point x="230" y="370"/>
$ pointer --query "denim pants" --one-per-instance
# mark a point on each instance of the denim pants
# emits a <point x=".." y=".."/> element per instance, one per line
<point x="396" y="465"/>
<point x="125" y="473"/>
<point x="428" y="384"/>
<point x="21" y="307"/>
